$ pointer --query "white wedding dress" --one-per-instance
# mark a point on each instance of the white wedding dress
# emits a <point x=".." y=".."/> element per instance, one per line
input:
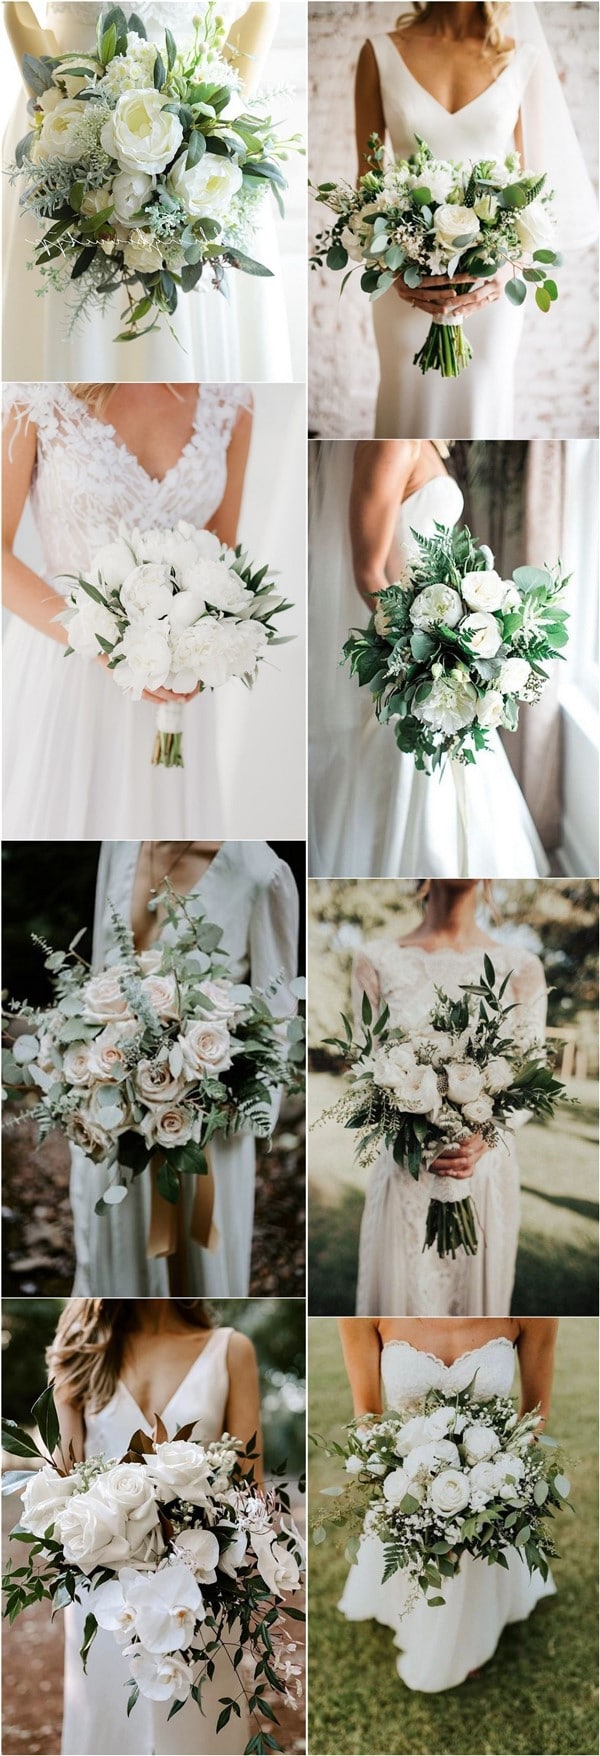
<point x="478" y="404"/>
<point x="438" y="1648"/>
<point x="245" y="336"/>
<point x="95" y="1705"/>
<point x="372" y="814"/>
<point x="251" y="894"/>
<point x="396" y="1275"/>
<point x="77" y="751"/>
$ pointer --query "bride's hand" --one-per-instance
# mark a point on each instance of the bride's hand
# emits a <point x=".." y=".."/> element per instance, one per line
<point x="156" y="694"/>
<point x="461" y="1161"/>
<point x="440" y="296"/>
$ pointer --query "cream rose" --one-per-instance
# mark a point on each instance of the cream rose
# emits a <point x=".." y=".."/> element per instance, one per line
<point x="465" y="1082"/>
<point x="206" y="1048"/>
<point x="106" y="1055"/>
<point x="436" y="604"/>
<point x="483" y="591"/>
<point x="482" y="632"/>
<point x="452" y="222"/>
<point x="62" y="134"/>
<point x="480" y="1110"/>
<point x="76" y="1064"/>
<point x="141" y="134"/>
<point x="103" y="998"/>
<point x="449" y="1493"/>
<point x="207" y="190"/>
<point x="163" y="995"/>
<point x="490" y="710"/>
<point x="85" y="1134"/>
<point x="156" y="1084"/>
<point x="172" y="1126"/>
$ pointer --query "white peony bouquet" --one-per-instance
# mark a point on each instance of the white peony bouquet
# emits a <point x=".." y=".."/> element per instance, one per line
<point x="423" y="217"/>
<point x="174" y="1550"/>
<point x="452" y="648"/>
<point x="146" y="167"/>
<point x="464" y="1072"/>
<point x="173" y="609"/>
<point x="450" y="1477"/>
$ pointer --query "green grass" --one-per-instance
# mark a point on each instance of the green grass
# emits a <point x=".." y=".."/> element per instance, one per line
<point x="537" y="1695"/>
<point x="557" y="1263"/>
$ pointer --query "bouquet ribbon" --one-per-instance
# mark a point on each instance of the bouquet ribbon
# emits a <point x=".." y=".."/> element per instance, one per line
<point x="164" y="1232"/>
<point x="458" y="776"/>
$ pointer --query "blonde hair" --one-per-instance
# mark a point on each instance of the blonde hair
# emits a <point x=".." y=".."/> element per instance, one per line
<point x="86" y="1356"/>
<point x="492" y="12"/>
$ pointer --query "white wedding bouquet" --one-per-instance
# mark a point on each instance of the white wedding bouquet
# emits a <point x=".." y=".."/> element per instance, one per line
<point x="174" y="1550"/>
<point x="147" y="1060"/>
<point x="452" y="1476"/>
<point x="150" y="166"/>
<point x="464" y="1072"/>
<point x="424" y="216"/>
<point x="452" y="648"/>
<point x="173" y="609"/>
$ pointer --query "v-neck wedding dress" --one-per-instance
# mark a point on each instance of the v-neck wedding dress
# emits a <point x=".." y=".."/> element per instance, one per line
<point x="438" y="1648"/>
<point x="77" y="751"/>
<point x="478" y="404"/>
<point x="251" y="894"/>
<point x="95" y="1704"/>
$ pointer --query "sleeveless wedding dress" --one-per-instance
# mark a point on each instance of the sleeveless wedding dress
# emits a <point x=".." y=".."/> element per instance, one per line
<point x="395" y="1274"/>
<point x="438" y="1648"/>
<point x="251" y="894"/>
<point x="245" y="336"/>
<point x="77" y="751"/>
<point x="95" y="1705"/>
<point x="479" y="404"/>
<point x="372" y="813"/>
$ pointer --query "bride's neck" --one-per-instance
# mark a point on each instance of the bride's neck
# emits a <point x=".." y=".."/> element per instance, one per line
<point x="451" y="914"/>
<point x="454" y="21"/>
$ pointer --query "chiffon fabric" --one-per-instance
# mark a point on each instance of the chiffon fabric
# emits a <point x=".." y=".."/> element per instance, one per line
<point x="438" y="1648"/>
<point x="395" y="1274"/>
<point x="95" y="1719"/>
<point x="209" y="336"/>
<point x="251" y="894"/>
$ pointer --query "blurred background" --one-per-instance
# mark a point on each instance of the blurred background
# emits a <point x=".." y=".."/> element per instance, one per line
<point x="557" y="919"/>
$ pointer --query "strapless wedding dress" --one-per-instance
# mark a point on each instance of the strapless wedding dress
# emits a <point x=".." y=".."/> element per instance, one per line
<point x="95" y="1705"/>
<point x="372" y="813"/>
<point x="479" y="404"/>
<point x="396" y="1275"/>
<point x="438" y="1648"/>
<point x="245" y="336"/>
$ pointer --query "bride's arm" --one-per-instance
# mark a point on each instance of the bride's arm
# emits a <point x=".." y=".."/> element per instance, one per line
<point x="249" y="41"/>
<point x="25" y="33"/>
<point x="72" y="1431"/>
<point x="24" y="592"/>
<point x="536" y="1347"/>
<point x="380" y="476"/>
<point x="361" y="1348"/>
<point x="226" y="518"/>
<point x="242" y="1414"/>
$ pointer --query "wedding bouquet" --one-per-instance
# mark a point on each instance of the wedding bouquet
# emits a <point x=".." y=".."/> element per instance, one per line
<point x="463" y="1072"/>
<point x="174" y="1550"/>
<point x="149" y="164"/>
<point x="147" y="1060"/>
<point x="424" y="216"/>
<point x="452" y="1476"/>
<point x="452" y="648"/>
<point x="173" y="609"/>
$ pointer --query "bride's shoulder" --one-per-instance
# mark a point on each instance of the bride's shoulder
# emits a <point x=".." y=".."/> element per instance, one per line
<point x="39" y="404"/>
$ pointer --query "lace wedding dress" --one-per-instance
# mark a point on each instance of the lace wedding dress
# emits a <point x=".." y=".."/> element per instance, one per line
<point x="245" y="336"/>
<point x="372" y="814"/>
<point x="95" y="1705"/>
<point x="438" y="1648"/>
<point x="395" y="1274"/>
<point x="77" y="752"/>
<point x="251" y="894"/>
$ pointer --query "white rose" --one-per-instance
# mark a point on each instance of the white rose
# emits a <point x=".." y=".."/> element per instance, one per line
<point x="483" y="591"/>
<point x="490" y="709"/>
<point x="146" y="657"/>
<point x="142" y="253"/>
<point x="103" y="999"/>
<point x="451" y="704"/>
<point x="396" y="1486"/>
<point x="129" y="191"/>
<point x="435" y="604"/>
<point x="276" y="1565"/>
<point x="112" y="563"/>
<point x="128" y="1487"/>
<point x="449" y="1493"/>
<point x="207" y="190"/>
<point x="423" y="1460"/>
<point x="217" y="585"/>
<point x="62" y="135"/>
<point x="180" y="1470"/>
<point x="484" y="1484"/>
<point x="76" y="1064"/>
<point x="482" y="633"/>
<point x="172" y="1125"/>
<point x="481" y="1110"/>
<point x="455" y="222"/>
<point x="514" y="676"/>
<point x="535" y="226"/>
<point x="465" y="1082"/>
<point x="220" y="993"/>
<point x="163" y="995"/>
<point x="200" y="1551"/>
<point x="86" y="621"/>
<point x="438" y="1423"/>
<point x="147" y="591"/>
<point x="498" y="1074"/>
<point x="43" y="1498"/>
<point x="141" y="134"/>
<point x="92" y="1532"/>
<point x="206" y="1048"/>
<point x="106" y="1056"/>
<point x="415" y="1088"/>
<point x="480" y="1443"/>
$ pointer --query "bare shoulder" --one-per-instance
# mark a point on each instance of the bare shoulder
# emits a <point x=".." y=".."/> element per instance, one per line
<point x="241" y="1352"/>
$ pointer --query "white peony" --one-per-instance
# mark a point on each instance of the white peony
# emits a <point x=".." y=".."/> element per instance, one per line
<point x="86" y="621"/>
<point x="62" y="134"/>
<point x="147" y="591"/>
<point x="217" y="585"/>
<point x="113" y="562"/>
<point x="206" y="1048"/>
<point x="207" y="190"/>
<point x="483" y="591"/>
<point x="498" y="1074"/>
<point x="436" y="604"/>
<point x="247" y="647"/>
<point x="480" y="1443"/>
<point x="465" y="1082"/>
<point x="200" y="1551"/>
<point x="482" y="632"/>
<point x="203" y="653"/>
<point x="164" y="1678"/>
<point x="452" y="222"/>
<point x="103" y="998"/>
<point x="141" y="134"/>
<point x="451" y="704"/>
<point x="129" y="191"/>
<point x="449" y="1493"/>
<point x="146" y="657"/>
<point x="43" y="1498"/>
<point x="534" y="226"/>
<point x="167" y="1605"/>
<point x="514" y="676"/>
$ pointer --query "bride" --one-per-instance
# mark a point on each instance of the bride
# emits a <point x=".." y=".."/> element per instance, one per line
<point x="115" y="1363"/>
<point x="395" y="1364"/>
<point x="371" y="812"/>
<point x="395" y="1274"/>
<point x="245" y="336"/>
<point x="449" y="74"/>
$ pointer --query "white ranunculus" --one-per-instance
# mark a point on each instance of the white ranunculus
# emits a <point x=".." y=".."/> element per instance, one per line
<point x="76" y="1064"/>
<point x="465" y="1082"/>
<point x="451" y="704"/>
<point x="277" y="1565"/>
<point x="163" y="995"/>
<point x="423" y="1460"/>
<point x="480" y="1110"/>
<point x="480" y="1442"/>
<point x="93" y="1533"/>
<point x="208" y="189"/>
<point x="89" y="621"/>
<point x="103" y="999"/>
<point x="449" y="1493"/>
<point x="141" y="134"/>
<point x="490" y="710"/>
<point x="231" y="1558"/>
<point x="62" y="134"/>
<point x="206" y="1048"/>
<point x="147" y="591"/>
<point x="452" y="222"/>
<point x="436" y="604"/>
<point x="535" y="227"/>
<point x="112" y="563"/>
<point x="200" y="1551"/>
<point x="146" y="657"/>
<point x="43" y="1498"/>
<point x="514" y="676"/>
<point x="483" y="591"/>
<point x="498" y="1074"/>
<point x="217" y="585"/>
<point x="482" y="632"/>
<point x="167" y="1605"/>
<point x="172" y="1125"/>
<point x="160" y="1678"/>
<point x="397" y="1485"/>
<point x="142" y="253"/>
<point x="180" y="1469"/>
<point x="106" y="1055"/>
<point x="130" y="189"/>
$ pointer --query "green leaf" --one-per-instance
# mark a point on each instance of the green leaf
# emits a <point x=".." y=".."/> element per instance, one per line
<point x="542" y="299"/>
<point x="160" y="73"/>
<point x="47" y="1419"/>
<point x="540" y="1492"/>
<point x="516" y="291"/>
<point x="562" y="1485"/>
<point x="247" y="263"/>
<point x="489" y="971"/>
<point x="337" y="256"/>
<point x="531" y="578"/>
<point x="37" y="74"/>
<point x="191" y="273"/>
<point x="171" y="48"/>
<point x="108" y="44"/>
<point x="366" y="1010"/>
<point x="196" y="149"/>
<point x="168" y="1183"/>
<point x="19" y="1443"/>
<point x="319" y="1534"/>
<point x="84" y="261"/>
<point x="550" y="256"/>
<point x="190" y="1160"/>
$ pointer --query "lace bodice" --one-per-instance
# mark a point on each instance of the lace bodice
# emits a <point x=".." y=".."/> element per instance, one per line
<point x="484" y="128"/>
<point x="201" y="1397"/>
<point x="74" y="24"/>
<point x="407" y="1373"/>
<point x="86" y="481"/>
<point x="439" y="501"/>
<point x="405" y="977"/>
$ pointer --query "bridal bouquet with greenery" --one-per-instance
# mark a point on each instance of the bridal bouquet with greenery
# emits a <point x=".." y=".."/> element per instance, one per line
<point x="146" y="167"/>
<point x="452" y="648"/>
<point x="173" y="609"/>
<point x="464" y="1072"/>
<point x="455" y="1475"/>
<point x="423" y="216"/>
<point x="145" y="1062"/>
<point x="174" y="1550"/>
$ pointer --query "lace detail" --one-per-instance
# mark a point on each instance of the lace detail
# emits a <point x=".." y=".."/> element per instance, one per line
<point x="407" y="1373"/>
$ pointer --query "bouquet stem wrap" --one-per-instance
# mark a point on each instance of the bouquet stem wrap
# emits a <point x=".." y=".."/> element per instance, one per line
<point x="445" y="348"/>
<point x="167" y="752"/>
<point x="164" y="1228"/>
<point x="458" y="776"/>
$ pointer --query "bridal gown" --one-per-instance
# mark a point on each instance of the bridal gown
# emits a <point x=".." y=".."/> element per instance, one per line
<point x="478" y="404"/>
<point x="251" y="894"/>
<point x="396" y="1276"/>
<point x="372" y="813"/>
<point x="245" y="336"/>
<point x="77" y="751"/>
<point x="438" y="1648"/>
<point x="95" y="1705"/>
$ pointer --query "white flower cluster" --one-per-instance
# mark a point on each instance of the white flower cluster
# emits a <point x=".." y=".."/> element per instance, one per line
<point x="435" y="1075"/>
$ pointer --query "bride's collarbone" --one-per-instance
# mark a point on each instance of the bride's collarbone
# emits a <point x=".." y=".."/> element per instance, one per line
<point x="452" y="71"/>
<point x="447" y="1340"/>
